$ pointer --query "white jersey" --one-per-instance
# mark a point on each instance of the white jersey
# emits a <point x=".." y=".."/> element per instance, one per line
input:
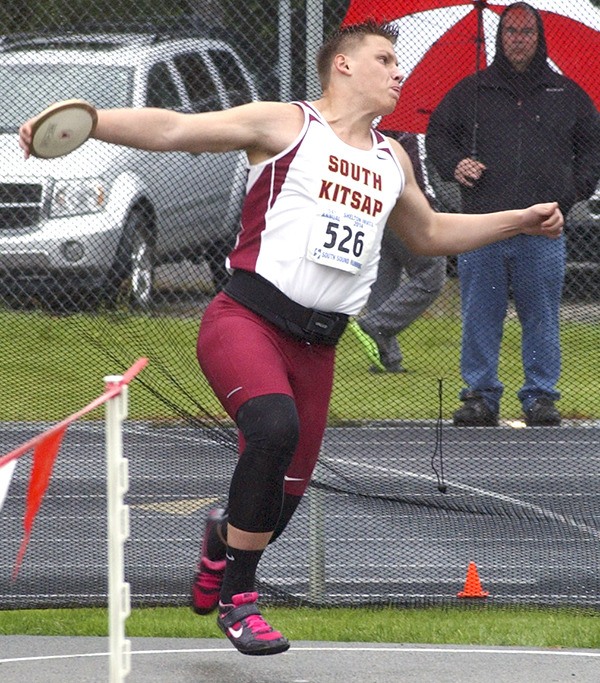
<point x="313" y="217"/>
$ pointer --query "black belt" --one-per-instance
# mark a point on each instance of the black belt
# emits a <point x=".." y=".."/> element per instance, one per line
<point x="264" y="299"/>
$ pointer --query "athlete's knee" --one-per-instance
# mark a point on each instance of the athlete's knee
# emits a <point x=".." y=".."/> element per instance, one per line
<point x="270" y="427"/>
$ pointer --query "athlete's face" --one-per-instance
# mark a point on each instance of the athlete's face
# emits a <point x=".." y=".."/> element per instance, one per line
<point x="376" y="74"/>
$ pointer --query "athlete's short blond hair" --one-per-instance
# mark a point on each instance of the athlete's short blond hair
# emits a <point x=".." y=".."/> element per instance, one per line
<point x="347" y="36"/>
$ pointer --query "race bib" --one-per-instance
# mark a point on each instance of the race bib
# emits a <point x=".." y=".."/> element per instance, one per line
<point x="343" y="241"/>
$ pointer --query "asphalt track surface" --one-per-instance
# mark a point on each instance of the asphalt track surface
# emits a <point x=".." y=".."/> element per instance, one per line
<point x="85" y="660"/>
<point x="535" y="493"/>
<point x="531" y="496"/>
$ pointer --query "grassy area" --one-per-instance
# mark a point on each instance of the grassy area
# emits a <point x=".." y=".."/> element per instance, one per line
<point x="479" y="625"/>
<point x="52" y="366"/>
<point x="55" y="365"/>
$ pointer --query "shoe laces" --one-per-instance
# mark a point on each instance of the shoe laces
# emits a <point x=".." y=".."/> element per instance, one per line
<point x="257" y="624"/>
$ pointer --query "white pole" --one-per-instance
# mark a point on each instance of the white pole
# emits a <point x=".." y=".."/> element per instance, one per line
<point x="314" y="38"/>
<point x="285" y="50"/>
<point x="119" y="600"/>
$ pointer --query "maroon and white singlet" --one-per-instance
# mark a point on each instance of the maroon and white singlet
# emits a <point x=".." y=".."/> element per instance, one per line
<point x="314" y="214"/>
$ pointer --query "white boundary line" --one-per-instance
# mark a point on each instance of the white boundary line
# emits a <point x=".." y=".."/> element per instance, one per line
<point x="420" y="649"/>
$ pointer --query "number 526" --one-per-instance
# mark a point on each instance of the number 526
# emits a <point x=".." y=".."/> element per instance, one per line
<point x="344" y="239"/>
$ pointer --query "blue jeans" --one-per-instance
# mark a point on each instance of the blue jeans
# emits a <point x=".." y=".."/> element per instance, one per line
<point x="533" y="269"/>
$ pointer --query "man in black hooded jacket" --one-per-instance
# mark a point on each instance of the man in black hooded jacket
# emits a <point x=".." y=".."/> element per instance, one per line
<point x="515" y="133"/>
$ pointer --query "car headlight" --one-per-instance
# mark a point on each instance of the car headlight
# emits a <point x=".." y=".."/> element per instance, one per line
<point x="75" y="197"/>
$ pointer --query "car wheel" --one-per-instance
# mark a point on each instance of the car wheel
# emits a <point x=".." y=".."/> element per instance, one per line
<point x="132" y="277"/>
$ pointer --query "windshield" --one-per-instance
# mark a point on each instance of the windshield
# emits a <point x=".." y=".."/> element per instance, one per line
<point x="28" y="89"/>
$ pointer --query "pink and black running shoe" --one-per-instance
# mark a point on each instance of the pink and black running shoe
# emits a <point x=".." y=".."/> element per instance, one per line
<point x="209" y="574"/>
<point x="246" y="628"/>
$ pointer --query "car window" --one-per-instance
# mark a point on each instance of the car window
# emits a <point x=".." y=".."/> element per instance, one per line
<point x="232" y="77"/>
<point x="198" y="82"/>
<point x="162" y="91"/>
<point x="34" y="87"/>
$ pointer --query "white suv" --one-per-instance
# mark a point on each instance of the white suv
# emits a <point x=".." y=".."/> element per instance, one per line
<point x="102" y="218"/>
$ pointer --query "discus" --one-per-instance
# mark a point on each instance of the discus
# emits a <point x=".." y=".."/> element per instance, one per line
<point x="62" y="128"/>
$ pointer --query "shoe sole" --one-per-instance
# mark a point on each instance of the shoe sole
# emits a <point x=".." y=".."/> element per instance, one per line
<point x="283" y="647"/>
<point x="261" y="650"/>
<point x="204" y="611"/>
<point x="272" y="651"/>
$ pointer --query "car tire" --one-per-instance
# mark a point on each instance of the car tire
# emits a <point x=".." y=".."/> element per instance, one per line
<point x="131" y="280"/>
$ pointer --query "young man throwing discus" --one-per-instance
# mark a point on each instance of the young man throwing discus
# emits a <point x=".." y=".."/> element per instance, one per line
<point x="322" y="185"/>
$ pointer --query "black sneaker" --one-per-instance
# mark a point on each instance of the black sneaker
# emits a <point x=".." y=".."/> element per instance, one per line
<point x="208" y="578"/>
<point x="475" y="413"/>
<point x="246" y="628"/>
<point x="543" y="413"/>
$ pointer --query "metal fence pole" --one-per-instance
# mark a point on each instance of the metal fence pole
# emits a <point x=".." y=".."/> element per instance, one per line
<point x="314" y="38"/>
<point x="285" y="50"/>
<point x="316" y="545"/>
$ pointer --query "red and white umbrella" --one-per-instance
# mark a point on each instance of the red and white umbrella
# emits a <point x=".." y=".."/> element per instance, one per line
<point x="441" y="41"/>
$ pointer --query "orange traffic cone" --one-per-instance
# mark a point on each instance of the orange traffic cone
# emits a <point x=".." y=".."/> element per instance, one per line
<point x="472" y="587"/>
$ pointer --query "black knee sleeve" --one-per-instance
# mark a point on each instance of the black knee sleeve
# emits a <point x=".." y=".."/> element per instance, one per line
<point x="270" y="428"/>
<point x="290" y="503"/>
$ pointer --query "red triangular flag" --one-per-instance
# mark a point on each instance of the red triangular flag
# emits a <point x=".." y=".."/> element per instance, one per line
<point x="44" y="455"/>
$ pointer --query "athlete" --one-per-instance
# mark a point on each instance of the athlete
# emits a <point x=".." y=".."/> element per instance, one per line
<point x="322" y="185"/>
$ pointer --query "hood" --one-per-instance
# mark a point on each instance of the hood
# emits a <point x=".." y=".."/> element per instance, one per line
<point x="89" y="160"/>
<point x="539" y="62"/>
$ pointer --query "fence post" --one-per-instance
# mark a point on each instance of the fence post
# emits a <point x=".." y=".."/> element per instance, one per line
<point x="285" y="50"/>
<point x="316" y="544"/>
<point x="314" y="38"/>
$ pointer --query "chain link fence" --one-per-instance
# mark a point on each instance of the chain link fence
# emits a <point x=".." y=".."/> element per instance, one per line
<point x="109" y="254"/>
